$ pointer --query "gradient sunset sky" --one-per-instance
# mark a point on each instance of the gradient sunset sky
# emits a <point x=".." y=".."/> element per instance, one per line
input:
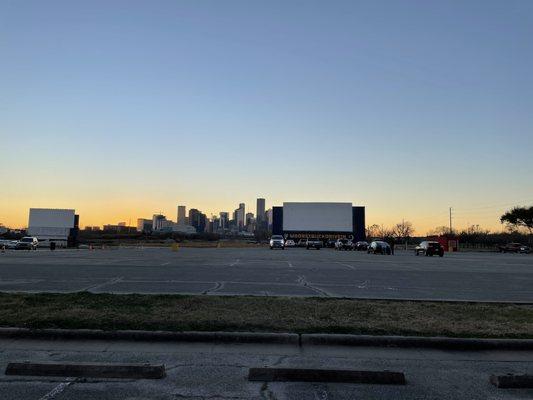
<point x="121" y="109"/>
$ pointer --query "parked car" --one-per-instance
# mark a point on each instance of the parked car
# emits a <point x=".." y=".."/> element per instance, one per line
<point x="331" y="243"/>
<point x="361" y="246"/>
<point x="429" y="248"/>
<point x="277" y="241"/>
<point x="313" y="243"/>
<point x="343" y="244"/>
<point x="379" y="247"/>
<point x="27" y="243"/>
<point x="302" y="243"/>
<point x="7" y="244"/>
<point x="515" y="248"/>
<point x="290" y="243"/>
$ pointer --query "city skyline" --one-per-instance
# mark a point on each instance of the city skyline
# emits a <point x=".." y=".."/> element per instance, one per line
<point x="462" y="219"/>
<point x="408" y="108"/>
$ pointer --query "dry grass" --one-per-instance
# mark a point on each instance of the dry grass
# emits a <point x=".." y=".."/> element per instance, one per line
<point x="265" y="314"/>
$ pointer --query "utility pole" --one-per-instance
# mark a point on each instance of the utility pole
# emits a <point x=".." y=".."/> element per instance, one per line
<point x="451" y="230"/>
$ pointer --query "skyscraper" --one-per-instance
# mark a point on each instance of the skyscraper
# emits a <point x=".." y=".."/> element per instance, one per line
<point x="240" y="216"/>
<point x="194" y="218"/>
<point x="260" y="211"/>
<point x="197" y="219"/>
<point x="224" y="220"/>
<point x="269" y="219"/>
<point x="158" y="222"/>
<point x="182" y="219"/>
<point x="260" y="217"/>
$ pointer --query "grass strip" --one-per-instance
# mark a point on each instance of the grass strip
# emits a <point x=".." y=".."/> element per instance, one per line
<point x="264" y="314"/>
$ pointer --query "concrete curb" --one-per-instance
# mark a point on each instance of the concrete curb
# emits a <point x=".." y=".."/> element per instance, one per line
<point x="87" y="370"/>
<point x="325" y="375"/>
<point x="155" y="336"/>
<point x="272" y="338"/>
<point x="415" y="341"/>
<point x="512" y="381"/>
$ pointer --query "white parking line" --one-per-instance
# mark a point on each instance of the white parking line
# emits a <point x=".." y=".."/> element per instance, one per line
<point x="347" y="266"/>
<point x="106" y="283"/>
<point x="57" y="390"/>
<point x="165" y="263"/>
<point x="363" y="285"/>
<point x="235" y="263"/>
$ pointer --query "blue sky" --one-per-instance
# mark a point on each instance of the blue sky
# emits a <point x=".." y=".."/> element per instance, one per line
<point x="125" y="108"/>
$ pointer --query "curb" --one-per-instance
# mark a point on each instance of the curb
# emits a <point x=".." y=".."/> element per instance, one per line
<point x="415" y="341"/>
<point x="272" y="338"/>
<point x="155" y="336"/>
<point x="325" y="375"/>
<point x="87" y="370"/>
<point x="511" y="381"/>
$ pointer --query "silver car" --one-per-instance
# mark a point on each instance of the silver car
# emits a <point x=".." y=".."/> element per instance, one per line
<point x="379" y="247"/>
<point x="27" y="243"/>
<point x="7" y="244"/>
<point x="277" y="241"/>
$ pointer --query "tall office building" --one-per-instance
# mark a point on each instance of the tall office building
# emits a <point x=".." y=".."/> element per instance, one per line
<point x="260" y="211"/>
<point x="240" y="216"/>
<point x="194" y="218"/>
<point x="197" y="220"/>
<point x="224" y="221"/>
<point x="158" y="222"/>
<point x="182" y="218"/>
<point x="269" y="218"/>
<point x="250" y="218"/>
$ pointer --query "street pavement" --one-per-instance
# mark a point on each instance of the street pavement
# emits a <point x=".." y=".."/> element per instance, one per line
<point x="472" y="276"/>
<point x="219" y="371"/>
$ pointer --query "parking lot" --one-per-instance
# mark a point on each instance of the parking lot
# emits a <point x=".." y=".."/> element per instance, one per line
<point x="260" y="271"/>
<point x="219" y="371"/>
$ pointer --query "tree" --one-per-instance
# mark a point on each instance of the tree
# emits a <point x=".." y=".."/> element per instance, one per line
<point x="384" y="232"/>
<point x="403" y="231"/>
<point x="519" y="217"/>
<point x="439" y="231"/>
<point x="378" y="231"/>
<point x="372" y="231"/>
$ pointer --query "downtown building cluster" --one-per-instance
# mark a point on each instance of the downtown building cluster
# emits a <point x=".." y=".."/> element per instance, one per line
<point x="239" y="222"/>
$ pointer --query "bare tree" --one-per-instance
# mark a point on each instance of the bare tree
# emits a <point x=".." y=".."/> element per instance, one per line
<point x="384" y="232"/>
<point x="439" y="231"/>
<point x="475" y="230"/>
<point x="372" y="231"/>
<point x="403" y="231"/>
<point x="378" y="231"/>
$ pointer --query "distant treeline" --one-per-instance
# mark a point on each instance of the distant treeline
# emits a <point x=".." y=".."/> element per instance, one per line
<point x="88" y="237"/>
<point x="492" y="240"/>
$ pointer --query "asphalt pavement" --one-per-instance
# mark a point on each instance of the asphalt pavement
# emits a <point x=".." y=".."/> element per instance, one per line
<point x="219" y="371"/>
<point x="260" y="271"/>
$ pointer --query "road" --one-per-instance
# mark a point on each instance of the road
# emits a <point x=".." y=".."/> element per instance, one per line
<point x="219" y="371"/>
<point x="260" y="271"/>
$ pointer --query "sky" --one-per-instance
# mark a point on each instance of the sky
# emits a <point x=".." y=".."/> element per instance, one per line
<point x="121" y="109"/>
